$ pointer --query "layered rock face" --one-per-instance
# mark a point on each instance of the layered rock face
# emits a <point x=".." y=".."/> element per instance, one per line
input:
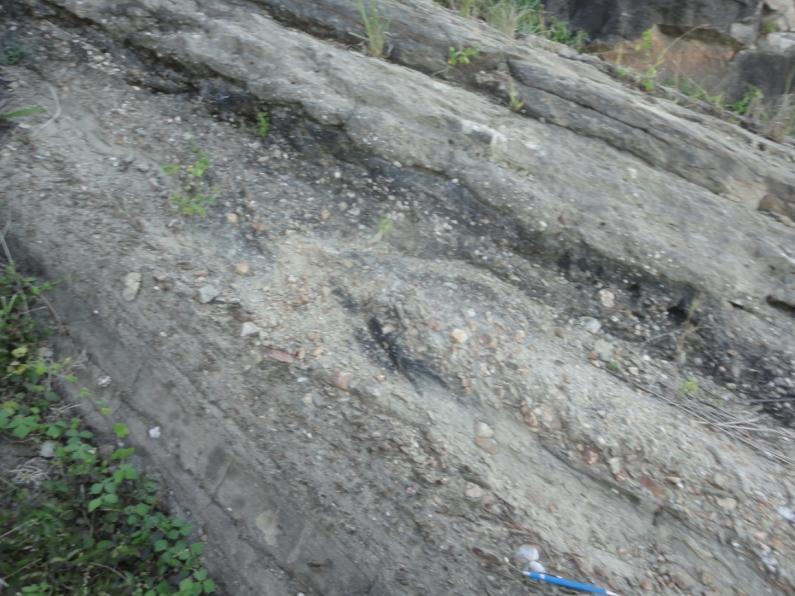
<point x="722" y="46"/>
<point x="742" y="21"/>
<point x="437" y="311"/>
<point x="627" y="19"/>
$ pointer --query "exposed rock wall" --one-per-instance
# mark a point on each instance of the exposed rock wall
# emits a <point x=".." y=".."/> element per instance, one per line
<point x="723" y="47"/>
<point x="626" y="19"/>
<point x="420" y="327"/>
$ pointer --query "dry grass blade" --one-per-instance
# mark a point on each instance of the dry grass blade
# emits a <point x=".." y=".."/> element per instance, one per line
<point x="10" y="260"/>
<point x="710" y="415"/>
<point x="505" y="16"/>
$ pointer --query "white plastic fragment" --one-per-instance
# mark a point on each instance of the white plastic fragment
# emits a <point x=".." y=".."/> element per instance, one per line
<point x="537" y="567"/>
<point x="526" y="554"/>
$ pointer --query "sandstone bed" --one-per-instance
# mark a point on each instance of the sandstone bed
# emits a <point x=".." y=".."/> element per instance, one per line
<point x="418" y="329"/>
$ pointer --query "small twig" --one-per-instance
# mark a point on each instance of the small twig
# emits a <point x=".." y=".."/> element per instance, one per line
<point x="7" y="252"/>
<point x="57" y="113"/>
<point x="16" y="528"/>
<point x="28" y="564"/>
<point x="777" y="400"/>
<point x="656" y="337"/>
<point x="61" y="327"/>
<point x="704" y="419"/>
<point x="116" y="571"/>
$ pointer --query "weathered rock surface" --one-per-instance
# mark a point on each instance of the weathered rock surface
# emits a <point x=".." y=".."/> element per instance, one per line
<point x="721" y="47"/>
<point x="627" y="19"/>
<point x="419" y="397"/>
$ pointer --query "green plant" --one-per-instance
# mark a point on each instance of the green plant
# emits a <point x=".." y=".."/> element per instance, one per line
<point x="21" y="113"/>
<point x="385" y="227"/>
<point x="770" y="27"/>
<point x="689" y="326"/>
<point x="11" y="54"/>
<point x="648" y="79"/>
<point x="536" y="21"/>
<point x="695" y="91"/>
<point x="505" y="16"/>
<point x="84" y="523"/>
<point x="194" y="194"/>
<point x="689" y="386"/>
<point x="748" y="103"/>
<point x="646" y="42"/>
<point x="376" y="27"/>
<point x="466" y="8"/>
<point x="18" y="329"/>
<point x="778" y="117"/>
<point x="560" y="32"/>
<point x="515" y="100"/>
<point x="519" y="16"/>
<point x="463" y="56"/>
<point x="263" y="124"/>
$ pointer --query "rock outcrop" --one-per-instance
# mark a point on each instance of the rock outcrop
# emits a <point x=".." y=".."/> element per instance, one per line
<point x="438" y="312"/>
<point x="606" y="20"/>
<point x="721" y="48"/>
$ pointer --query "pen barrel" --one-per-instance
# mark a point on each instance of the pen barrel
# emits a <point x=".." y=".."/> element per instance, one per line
<point x="566" y="583"/>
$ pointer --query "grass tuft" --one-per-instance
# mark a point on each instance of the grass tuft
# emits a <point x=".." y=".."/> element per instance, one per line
<point x="376" y="27"/>
<point x="519" y="16"/>
<point x="194" y="194"/>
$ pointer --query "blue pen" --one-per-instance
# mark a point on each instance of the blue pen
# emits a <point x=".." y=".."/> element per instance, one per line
<point x="567" y="583"/>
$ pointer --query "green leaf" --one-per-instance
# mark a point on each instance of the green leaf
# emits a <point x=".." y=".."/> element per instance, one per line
<point x="209" y="586"/>
<point x="96" y="488"/>
<point x="55" y="430"/>
<point x="122" y="453"/>
<point x="200" y="574"/>
<point x="160" y="546"/>
<point x="19" y="352"/>
<point x="197" y="548"/>
<point x="141" y="509"/>
<point x="121" y="430"/>
<point x="186" y="585"/>
<point x="93" y="504"/>
<point x="110" y="499"/>
<point x="24" y="425"/>
<point x="129" y="472"/>
<point x="105" y="411"/>
<point x="28" y="111"/>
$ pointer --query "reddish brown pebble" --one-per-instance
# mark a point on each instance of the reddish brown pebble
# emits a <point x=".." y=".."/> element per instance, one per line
<point x="654" y="487"/>
<point x="343" y="380"/>
<point x="280" y="356"/>
<point x="488" y="444"/>
<point x="590" y="457"/>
